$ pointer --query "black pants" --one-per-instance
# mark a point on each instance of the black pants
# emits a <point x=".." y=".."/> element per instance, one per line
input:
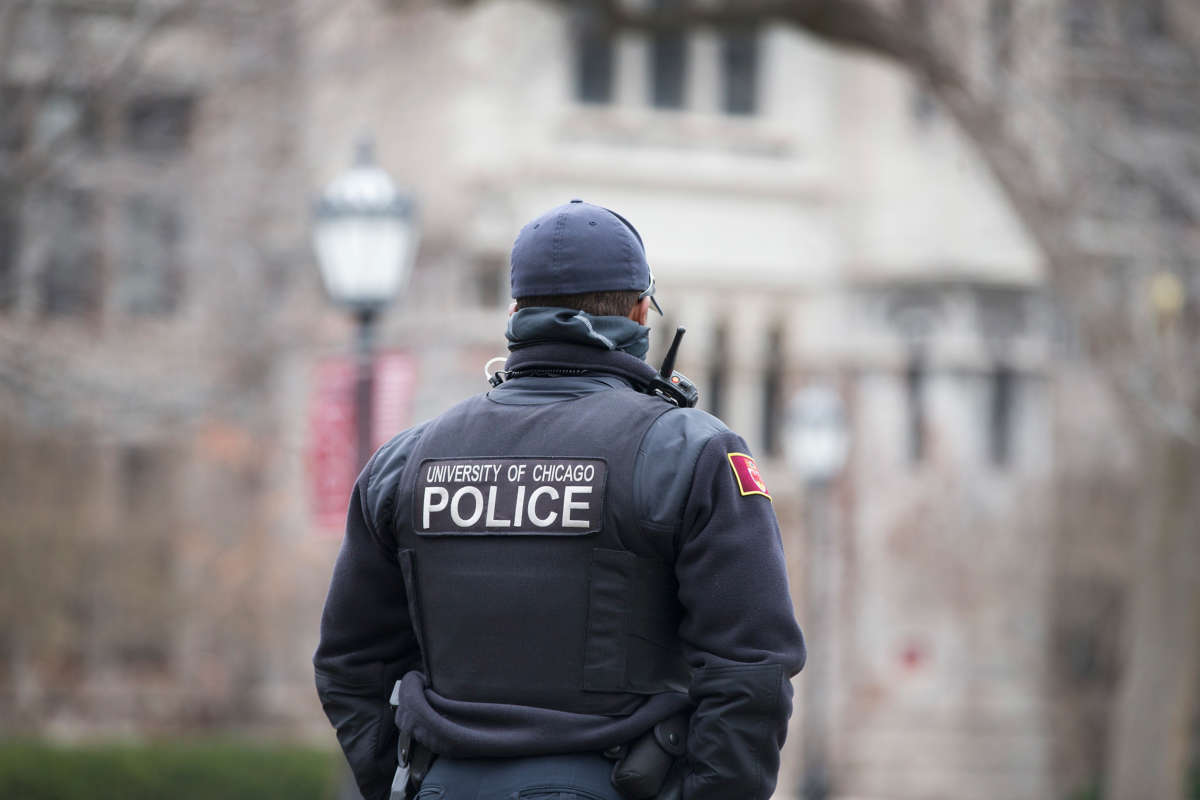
<point x="581" y="776"/>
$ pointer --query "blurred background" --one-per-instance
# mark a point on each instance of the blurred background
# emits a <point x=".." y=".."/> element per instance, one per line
<point x="939" y="264"/>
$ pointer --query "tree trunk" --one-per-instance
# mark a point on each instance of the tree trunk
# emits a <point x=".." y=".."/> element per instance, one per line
<point x="1149" y="745"/>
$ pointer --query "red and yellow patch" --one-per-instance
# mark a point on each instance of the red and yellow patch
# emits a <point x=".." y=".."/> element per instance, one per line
<point x="747" y="474"/>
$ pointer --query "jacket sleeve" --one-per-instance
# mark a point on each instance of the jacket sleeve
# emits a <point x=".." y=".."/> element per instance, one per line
<point x="739" y="633"/>
<point x="367" y="640"/>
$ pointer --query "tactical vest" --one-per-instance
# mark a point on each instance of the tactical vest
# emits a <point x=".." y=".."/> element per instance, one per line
<point x="530" y="580"/>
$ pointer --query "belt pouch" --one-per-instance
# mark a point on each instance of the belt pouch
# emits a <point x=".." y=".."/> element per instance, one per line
<point x="641" y="773"/>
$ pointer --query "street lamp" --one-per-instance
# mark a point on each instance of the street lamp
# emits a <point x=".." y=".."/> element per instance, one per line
<point x="365" y="236"/>
<point x="816" y="442"/>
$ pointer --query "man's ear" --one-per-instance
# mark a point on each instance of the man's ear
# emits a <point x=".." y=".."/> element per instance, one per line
<point x="512" y="308"/>
<point x="640" y="311"/>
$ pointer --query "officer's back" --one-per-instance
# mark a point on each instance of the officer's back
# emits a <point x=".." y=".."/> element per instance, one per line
<point x="578" y="578"/>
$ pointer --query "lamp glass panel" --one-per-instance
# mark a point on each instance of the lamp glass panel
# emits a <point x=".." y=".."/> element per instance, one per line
<point x="364" y="259"/>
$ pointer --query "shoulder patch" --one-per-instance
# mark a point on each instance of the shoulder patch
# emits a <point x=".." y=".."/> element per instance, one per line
<point x="747" y="474"/>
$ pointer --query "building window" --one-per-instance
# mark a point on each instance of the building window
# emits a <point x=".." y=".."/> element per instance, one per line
<point x="718" y="370"/>
<point x="1144" y="19"/>
<point x="35" y="116"/>
<point x="12" y="131"/>
<point x="159" y="124"/>
<point x="89" y="123"/>
<point x="1000" y="415"/>
<point x="915" y="378"/>
<point x="1003" y="313"/>
<point x="772" y="389"/>
<point x="147" y="651"/>
<point x="1082" y="21"/>
<point x="149" y="281"/>
<point x="141" y="591"/>
<point x="9" y="247"/>
<point x="489" y="278"/>
<point x="1085" y="638"/>
<point x="67" y="116"/>
<point x="1000" y="32"/>
<point x="139" y="468"/>
<point x="70" y="274"/>
<point x="593" y="55"/>
<point x="739" y="71"/>
<point x="668" y="62"/>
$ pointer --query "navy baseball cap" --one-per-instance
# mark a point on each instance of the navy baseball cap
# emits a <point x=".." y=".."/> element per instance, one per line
<point x="579" y="247"/>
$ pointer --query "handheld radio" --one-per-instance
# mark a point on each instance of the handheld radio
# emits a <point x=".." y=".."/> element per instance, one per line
<point x="672" y="386"/>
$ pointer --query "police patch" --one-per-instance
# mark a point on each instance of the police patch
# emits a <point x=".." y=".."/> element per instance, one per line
<point x="748" y="478"/>
<point x="510" y="496"/>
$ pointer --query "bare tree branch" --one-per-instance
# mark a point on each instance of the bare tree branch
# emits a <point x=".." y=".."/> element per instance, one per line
<point x="905" y="33"/>
<point x="909" y="40"/>
<point x="36" y="163"/>
<point x="851" y="23"/>
<point x="10" y="16"/>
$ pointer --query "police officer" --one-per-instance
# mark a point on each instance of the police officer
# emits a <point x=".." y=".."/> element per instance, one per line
<point x="561" y="576"/>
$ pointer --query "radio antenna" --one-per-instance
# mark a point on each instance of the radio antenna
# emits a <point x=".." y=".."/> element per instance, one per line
<point x="668" y="365"/>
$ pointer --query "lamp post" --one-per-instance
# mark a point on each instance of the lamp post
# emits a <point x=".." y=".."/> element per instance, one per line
<point x="816" y="442"/>
<point x="365" y="236"/>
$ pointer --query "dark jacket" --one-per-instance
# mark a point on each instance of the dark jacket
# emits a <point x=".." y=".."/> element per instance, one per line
<point x="738" y="632"/>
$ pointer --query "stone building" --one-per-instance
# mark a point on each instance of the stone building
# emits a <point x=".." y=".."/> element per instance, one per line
<point x="150" y="226"/>
<point x="811" y="217"/>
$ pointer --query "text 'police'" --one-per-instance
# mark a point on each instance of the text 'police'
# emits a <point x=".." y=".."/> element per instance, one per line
<point x="507" y="496"/>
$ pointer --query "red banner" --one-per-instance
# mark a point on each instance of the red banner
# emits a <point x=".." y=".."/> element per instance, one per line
<point x="333" y="428"/>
